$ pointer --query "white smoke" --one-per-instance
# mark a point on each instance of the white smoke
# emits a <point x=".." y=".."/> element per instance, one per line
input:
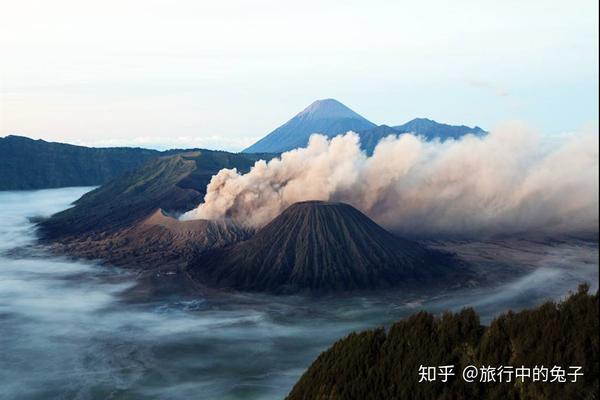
<point x="512" y="180"/>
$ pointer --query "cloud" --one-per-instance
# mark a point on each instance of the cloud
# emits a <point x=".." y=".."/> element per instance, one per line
<point x="513" y="180"/>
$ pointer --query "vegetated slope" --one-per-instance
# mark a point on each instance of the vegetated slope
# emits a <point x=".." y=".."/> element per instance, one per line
<point x="321" y="246"/>
<point x="385" y="365"/>
<point x="328" y="117"/>
<point x="36" y="164"/>
<point x="173" y="183"/>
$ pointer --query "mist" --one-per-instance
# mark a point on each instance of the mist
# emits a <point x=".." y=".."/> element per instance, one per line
<point x="512" y="181"/>
<point x="69" y="329"/>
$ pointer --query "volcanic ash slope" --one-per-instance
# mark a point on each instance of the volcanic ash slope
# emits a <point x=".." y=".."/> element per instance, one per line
<point x="323" y="247"/>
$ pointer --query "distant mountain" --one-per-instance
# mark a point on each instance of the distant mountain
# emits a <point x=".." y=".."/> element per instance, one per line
<point x="435" y="130"/>
<point x="328" y="116"/>
<point x="36" y="164"/>
<point x="322" y="246"/>
<point x="380" y="364"/>
<point x="420" y="126"/>
<point x="370" y="137"/>
<point x="332" y="118"/>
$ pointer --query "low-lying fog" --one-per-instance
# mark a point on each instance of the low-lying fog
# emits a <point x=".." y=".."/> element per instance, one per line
<point x="67" y="330"/>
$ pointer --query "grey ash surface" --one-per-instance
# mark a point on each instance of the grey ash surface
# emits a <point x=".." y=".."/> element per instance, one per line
<point x="324" y="247"/>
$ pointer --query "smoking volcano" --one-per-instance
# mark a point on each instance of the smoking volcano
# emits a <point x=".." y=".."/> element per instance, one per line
<point x="512" y="181"/>
<point x="324" y="246"/>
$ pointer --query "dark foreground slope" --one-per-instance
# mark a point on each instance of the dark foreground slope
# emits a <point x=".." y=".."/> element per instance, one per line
<point x="36" y="164"/>
<point x="321" y="246"/>
<point x="384" y="365"/>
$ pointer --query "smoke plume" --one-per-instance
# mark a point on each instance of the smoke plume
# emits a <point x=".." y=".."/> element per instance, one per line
<point x="512" y="180"/>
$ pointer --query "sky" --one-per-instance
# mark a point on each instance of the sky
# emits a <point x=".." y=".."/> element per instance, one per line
<point x="221" y="74"/>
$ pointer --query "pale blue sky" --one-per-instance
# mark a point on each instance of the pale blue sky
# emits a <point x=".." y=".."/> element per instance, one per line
<point x="222" y="74"/>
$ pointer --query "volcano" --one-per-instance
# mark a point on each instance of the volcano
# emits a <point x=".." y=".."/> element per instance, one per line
<point x="323" y="247"/>
<point x="160" y="238"/>
<point x="159" y="242"/>
<point x="328" y="117"/>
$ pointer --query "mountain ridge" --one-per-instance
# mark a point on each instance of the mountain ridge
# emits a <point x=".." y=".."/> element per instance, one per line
<point x="27" y="164"/>
<point x="331" y="118"/>
<point x="174" y="183"/>
<point x="425" y="127"/>
<point x="431" y="129"/>
<point x="37" y="164"/>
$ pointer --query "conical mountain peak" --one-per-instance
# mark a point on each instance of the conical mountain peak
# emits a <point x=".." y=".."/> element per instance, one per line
<point x="323" y="246"/>
<point x="328" y="108"/>
<point x="327" y="116"/>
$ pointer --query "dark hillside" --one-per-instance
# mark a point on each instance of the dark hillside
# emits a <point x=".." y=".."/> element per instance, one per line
<point x="384" y="365"/>
<point x="173" y="183"/>
<point x="36" y="164"/>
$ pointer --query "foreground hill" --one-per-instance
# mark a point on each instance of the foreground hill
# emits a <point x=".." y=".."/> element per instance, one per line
<point x="322" y="246"/>
<point x="328" y="116"/>
<point x="385" y="365"/>
<point x="36" y="164"/>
